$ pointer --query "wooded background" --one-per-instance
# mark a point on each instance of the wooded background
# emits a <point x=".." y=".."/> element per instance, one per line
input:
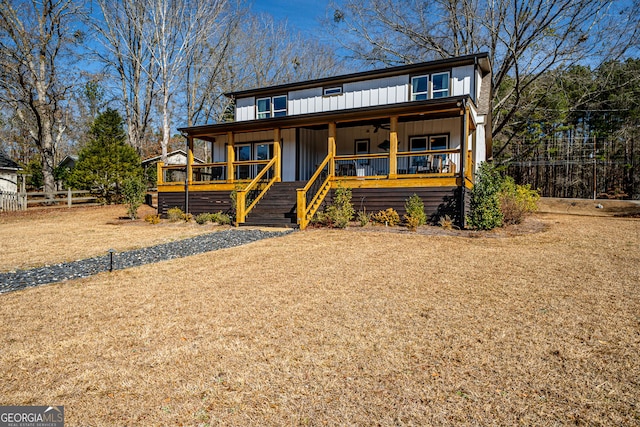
<point x="565" y="73"/>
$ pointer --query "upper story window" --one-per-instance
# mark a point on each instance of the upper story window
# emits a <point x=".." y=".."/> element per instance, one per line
<point x="419" y="88"/>
<point x="264" y="108"/>
<point x="332" y="91"/>
<point x="280" y="106"/>
<point x="430" y="87"/>
<point x="272" y="107"/>
<point x="440" y="83"/>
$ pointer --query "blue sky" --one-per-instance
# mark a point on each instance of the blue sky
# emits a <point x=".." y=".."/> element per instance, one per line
<point x="301" y="14"/>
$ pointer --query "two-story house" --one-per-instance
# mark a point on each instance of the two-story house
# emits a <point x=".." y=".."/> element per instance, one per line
<point x="386" y="134"/>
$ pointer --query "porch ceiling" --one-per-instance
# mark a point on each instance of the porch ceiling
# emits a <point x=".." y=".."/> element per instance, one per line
<point x="407" y="111"/>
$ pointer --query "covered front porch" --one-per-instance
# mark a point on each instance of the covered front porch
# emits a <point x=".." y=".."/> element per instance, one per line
<point x="428" y="148"/>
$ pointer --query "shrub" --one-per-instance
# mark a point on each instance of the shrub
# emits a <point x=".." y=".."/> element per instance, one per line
<point x="485" y="212"/>
<point x="203" y="218"/>
<point x="133" y="190"/>
<point x="446" y="222"/>
<point x="412" y="222"/>
<point x="415" y="211"/>
<point x="152" y="218"/>
<point x="516" y="201"/>
<point x="387" y="217"/>
<point x="340" y="212"/>
<point x="363" y="218"/>
<point x="218" y="218"/>
<point x="175" y="214"/>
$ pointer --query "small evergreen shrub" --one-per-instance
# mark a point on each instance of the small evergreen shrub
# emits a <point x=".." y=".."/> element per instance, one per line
<point x="485" y="212"/>
<point x="415" y="212"/>
<point x="413" y="222"/>
<point x="340" y="212"/>
<point x="133" y="191"/>
<point x="203" y="218"/>
<point x="175" y="214"/>
<point x="220" y="218"/>
<point x="387" y="217"/>
<point x="152" y="218"/>
<point x="363" y="218"/>
<point x="216" y="218"/>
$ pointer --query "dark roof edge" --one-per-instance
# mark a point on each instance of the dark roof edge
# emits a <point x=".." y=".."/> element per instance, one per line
<point x="482" y="59"/>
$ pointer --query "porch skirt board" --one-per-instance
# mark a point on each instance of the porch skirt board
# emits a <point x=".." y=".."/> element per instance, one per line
<point x="199" y="202"/>
<point x="438" y="201"/>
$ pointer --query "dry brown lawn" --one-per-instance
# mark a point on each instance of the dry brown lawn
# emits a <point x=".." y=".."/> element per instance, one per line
<point x="342" y="328"/>
<point x="46" y="236"/>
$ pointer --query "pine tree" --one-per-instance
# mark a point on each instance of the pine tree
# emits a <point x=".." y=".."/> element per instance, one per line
<point x="106" y="161"/>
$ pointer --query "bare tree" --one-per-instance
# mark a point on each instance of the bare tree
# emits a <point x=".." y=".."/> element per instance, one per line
<point x="123" y="29"/>
<point x="269" y="52"/>
<point x="525" y="38"/>
<point x="35" y="41"/>
<point x="178" y="26"/>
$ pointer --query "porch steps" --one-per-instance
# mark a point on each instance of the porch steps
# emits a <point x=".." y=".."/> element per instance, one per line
<point x="277" y="208"/>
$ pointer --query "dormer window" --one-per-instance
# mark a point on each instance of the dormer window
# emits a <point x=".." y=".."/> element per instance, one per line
<point x="329" y="91"/>
<point x="440" y="85"/>
<point x="272" y="107"/>
<point x="264" y="108"/>
<point x="430" y="87"/>
<point x="419" y="88"/>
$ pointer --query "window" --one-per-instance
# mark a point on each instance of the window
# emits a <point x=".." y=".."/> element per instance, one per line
<point x="272" y="107"/>
<point x="440" y="83"/>
<point x="332" y="91"/>
<point x="264" y="108"/>
<point x="280" y="106"/>
<point x="438" y="142"/>
<point x="419" y="88"/>
<point x="418" y="163"/>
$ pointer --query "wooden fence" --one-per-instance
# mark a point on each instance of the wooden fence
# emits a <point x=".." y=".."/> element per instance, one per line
<point x="61" y="198"/>
<point x="10" y="201"/>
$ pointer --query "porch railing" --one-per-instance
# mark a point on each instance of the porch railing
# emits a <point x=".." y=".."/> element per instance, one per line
<point x="428" y="162"/>
<point x="250" y="195"/>
<point x="312" y="195"/>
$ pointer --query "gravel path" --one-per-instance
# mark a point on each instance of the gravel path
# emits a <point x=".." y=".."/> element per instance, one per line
<point x="21" y="279"/>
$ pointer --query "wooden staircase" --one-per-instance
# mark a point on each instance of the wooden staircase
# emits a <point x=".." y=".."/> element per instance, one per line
<point x="277" y="208"/>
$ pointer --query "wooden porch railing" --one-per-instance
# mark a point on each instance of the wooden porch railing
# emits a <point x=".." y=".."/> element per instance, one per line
<point x="249" y="196"/>
<point x="312" y="195"/>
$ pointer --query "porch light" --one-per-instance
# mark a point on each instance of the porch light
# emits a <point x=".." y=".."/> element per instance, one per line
<point x="384" y="145"/>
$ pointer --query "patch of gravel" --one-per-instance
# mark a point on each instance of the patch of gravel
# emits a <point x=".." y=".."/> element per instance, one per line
<point x="21" y="279"/>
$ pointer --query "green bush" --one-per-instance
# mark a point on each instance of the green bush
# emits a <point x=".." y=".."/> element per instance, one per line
<point x="387" y="217"/>
<point x="517" y="201"/>
<point x="339" y="212"/>
<point x="133" y="191"/>
<point x="218" y="218"/>
<point x="203" y="218"/>
<point x="415" y="211"/>
<point x="485" y="212"/>
<point x="363" y="218"/>
<point x="175" y="214"/>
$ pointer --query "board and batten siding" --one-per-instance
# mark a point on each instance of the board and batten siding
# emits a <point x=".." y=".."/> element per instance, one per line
<point x="360" y="94"/>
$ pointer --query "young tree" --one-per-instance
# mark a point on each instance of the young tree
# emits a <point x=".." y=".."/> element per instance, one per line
<point x="36" y="38"/>
<point x="107" y="161"/>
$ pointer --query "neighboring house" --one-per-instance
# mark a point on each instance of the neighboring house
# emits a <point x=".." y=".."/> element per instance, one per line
<point x="8" y="174"/>
<point x="386" y="134"/>
<point x="174" y="158"/>
<point x="69" y="162"/>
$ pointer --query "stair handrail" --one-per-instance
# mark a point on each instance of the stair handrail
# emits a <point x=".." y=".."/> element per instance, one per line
<point x="241" y="196"/>
<point x="305" y="211"/>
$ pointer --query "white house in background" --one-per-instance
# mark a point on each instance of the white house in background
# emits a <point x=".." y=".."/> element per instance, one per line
<point x="8" y="174"/>
<point x="387" y="134"/>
